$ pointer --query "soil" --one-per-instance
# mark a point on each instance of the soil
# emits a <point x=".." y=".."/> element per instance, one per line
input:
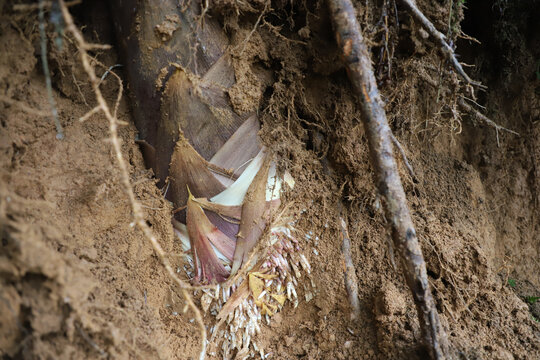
<point x="79" y="281"/>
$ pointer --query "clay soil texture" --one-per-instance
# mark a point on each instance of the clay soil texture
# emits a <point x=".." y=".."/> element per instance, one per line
<point x="78" y="281"/>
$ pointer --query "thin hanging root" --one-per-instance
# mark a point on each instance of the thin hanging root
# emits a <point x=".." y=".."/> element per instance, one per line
<point x="471" y="110"/>
<point x="358" y="64"/>
<point x="478" y="115"/>
<point x="138" y="215"/>
<point x="404" y="158"/>
<point x="351" y="280"/>
<point x="47" y="73"/>
<point x="441" y="39"/>
<point x="46" y="4"/>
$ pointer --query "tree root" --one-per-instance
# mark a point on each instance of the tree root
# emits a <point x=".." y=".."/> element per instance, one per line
<point x="47" y="73"/>
<point x="446" y="49"/>
<point x="358" y="64"/>
<point x="351" y="280"/>
<point x="404" y="158"/>
<point x="483" y="118"/>
<point x="45" y="4"/>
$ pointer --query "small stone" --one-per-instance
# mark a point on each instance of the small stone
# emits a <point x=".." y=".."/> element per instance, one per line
<point x="289" y="340"/>
<point x="276" y="320"/>
<point x="390" y="301"/>
<point x="304" y="32"/>
<point x="89" y="253"/>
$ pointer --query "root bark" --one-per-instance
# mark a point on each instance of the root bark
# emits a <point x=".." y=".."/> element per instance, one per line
<point x="358" y="64"/>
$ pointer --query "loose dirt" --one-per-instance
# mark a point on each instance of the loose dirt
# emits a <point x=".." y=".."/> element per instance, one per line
<point x="77" y="280"/>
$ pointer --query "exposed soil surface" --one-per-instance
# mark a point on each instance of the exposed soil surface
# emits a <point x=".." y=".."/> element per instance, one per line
<point x="77" y="280"/>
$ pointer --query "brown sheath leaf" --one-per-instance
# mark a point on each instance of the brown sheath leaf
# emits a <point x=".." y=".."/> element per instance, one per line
<point x="233" y="212"/>
<point x="242" y="146"/>
<point x="201" y="232"/>
<point x="202" y="111"/>
<point x="255" y="216"/>
<point x="189" y="169"/>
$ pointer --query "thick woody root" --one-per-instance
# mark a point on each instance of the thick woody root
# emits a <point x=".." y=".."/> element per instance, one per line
<point x="358" y="64"/>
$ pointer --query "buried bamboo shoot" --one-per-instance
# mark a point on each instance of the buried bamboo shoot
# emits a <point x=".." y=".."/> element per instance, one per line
<point x="210" y="163"/>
